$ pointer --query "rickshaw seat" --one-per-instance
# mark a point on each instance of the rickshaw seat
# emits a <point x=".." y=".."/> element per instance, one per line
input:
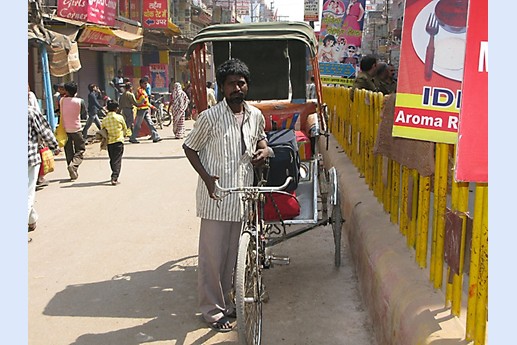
<point x="284" y="113"/>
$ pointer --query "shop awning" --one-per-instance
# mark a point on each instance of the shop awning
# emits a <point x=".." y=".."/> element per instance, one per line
<point x="62" y="48"/>
<point x="104" y="38"/>
<point x="172" y="29"/>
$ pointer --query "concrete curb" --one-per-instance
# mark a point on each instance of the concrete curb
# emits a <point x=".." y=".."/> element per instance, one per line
<point x="403" y="306"/>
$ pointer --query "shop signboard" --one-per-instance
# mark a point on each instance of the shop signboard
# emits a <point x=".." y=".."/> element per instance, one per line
<point x="155" y="14"/>
<point x="91" y="11"/>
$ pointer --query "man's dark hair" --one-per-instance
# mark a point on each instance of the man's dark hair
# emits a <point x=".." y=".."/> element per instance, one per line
<point x="367" y="62"/>
<point x="112" y="105"/>
<point x="231" y="67"/>
<point x="91" y="86"/>
<point x="208" y="84"/>
<point x="381" y="69"/>
<point x="128" y="86"/>
<point x="144" y="80"/>
<point x="71" y="88"/>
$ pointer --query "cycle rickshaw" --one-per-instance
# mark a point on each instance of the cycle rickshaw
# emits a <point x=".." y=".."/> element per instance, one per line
<point x="281" y="56"/>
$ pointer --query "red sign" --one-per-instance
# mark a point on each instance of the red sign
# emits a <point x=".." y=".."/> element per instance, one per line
<point x="155" y="14"/>
<point x="93" y="11"/>
<point x="431" y="70"/>
<point x="472" y="150"/>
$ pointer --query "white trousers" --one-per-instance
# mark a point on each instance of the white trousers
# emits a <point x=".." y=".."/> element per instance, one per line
<point x="217" y="256"/>
<point x="33" y="178"/>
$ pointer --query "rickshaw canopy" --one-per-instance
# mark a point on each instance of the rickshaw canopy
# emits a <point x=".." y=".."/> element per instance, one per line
<point x="281" y="31"/>
<point x="280" y="55"/>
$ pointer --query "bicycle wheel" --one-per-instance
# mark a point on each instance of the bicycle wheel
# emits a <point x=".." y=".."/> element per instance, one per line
<point x="158" y="117"/>
<point x="248" y="286"/>
<point x="166" y="118"/>
<point x="336" y="220"/>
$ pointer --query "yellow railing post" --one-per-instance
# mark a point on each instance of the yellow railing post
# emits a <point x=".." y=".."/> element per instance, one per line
<point x="478" y="274"/>
<point x="424" y="193"/>
<point x="404" y="199"/>
<point x="411" y="238"/>
<point x="440" y="204"/>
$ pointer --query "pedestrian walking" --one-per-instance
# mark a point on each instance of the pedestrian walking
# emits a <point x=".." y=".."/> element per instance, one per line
<point x="39" y="131"/>
<point x="115" y="125"/>
<point x="225" y="142"/>
<point x="93" y="109"/>
<point x="179" y="106"/>
<point x="72" y="108"/>
<point x="142" y="114"/>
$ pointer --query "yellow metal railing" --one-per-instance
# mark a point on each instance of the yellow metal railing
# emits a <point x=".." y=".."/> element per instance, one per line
<point x="412" y="201"/>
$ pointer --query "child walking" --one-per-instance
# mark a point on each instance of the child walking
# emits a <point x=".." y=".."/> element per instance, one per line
<point x="115" y="125"/>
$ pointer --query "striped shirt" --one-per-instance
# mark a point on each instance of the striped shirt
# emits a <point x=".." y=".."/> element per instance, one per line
<point x="142" y="99"/>
<point x="226" y="153"/>
<point x="39" y="130"/>
<point x="116" y="127"/>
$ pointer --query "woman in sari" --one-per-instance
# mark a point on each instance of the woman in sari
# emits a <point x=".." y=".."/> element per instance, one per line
<point x="180" y="103"/>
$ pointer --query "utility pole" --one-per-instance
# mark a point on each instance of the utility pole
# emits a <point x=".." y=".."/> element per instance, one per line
<point x="37" y="19"/>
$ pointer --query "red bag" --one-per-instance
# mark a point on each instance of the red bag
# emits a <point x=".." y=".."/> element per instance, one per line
<point x="282" y="205"/>
<point x="304" y="145"/>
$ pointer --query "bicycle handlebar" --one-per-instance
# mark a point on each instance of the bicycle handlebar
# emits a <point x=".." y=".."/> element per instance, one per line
<point x="253" y="188"/>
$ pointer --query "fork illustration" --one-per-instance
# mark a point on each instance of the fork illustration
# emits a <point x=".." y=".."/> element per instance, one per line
<point x="432" y="29"/>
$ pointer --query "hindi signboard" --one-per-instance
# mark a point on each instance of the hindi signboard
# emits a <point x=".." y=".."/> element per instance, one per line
<point x="155" y="14"/>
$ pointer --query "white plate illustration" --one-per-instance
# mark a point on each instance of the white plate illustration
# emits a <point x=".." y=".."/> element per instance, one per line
<point x="449" y="52"/>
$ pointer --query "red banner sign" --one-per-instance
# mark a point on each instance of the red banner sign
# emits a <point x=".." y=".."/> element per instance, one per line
<point x="155" y="14"/>
<point x="431" y="70"/>
<point x="92" y="11"/>
<point x="472" y="150"/>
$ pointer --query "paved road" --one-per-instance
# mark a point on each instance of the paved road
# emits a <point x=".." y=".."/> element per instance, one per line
<point x="116" y="265"/>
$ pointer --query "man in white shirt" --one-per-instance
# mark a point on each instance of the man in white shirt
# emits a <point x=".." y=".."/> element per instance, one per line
<point x="210" y="94"/>
<point x="225" y="143"/>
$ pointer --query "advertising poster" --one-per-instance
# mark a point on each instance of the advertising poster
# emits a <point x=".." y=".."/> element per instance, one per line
<point x="311" y="10"/>
<point x="472" y="148"/>
<point x="155" y="14"/>
<point x="340" y="37"/>
<point x="431" y="70"/>
<point x="159" y="77"/>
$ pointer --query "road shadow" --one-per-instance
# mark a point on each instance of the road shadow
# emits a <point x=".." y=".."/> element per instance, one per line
<point x="167" y="294"/>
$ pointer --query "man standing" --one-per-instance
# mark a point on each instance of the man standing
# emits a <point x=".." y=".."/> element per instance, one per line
<point x="225" y="143"/>
<point x="126" y="103"/>
<point x="311" y="89"/>
<point x="384" y="78"/>
<point x="142" y="114"/>
<point x="365" y="78"/>
<point x="118" y="84"/>
<point x="72" y="108"/>
<point x="210" y="94"/>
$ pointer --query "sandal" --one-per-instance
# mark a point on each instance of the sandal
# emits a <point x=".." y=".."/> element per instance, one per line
<point x="233" y="314"/>
<point x="221" y="325"/>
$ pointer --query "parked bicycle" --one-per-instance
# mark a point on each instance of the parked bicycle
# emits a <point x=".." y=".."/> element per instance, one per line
<point x="159" y="111"/>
